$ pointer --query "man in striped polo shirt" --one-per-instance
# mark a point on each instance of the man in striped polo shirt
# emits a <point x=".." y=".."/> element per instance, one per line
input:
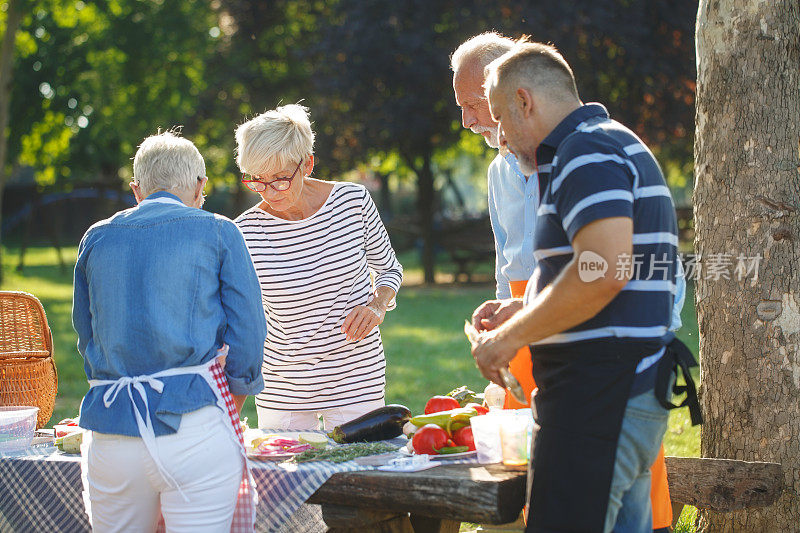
<point x="599" y="303"/>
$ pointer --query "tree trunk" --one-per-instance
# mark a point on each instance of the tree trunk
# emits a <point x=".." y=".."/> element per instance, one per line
<point x="746" y="203"/>
<point x="385" y="196"/>
<point x="13" y="19"/>
<point x="425" y="207"/>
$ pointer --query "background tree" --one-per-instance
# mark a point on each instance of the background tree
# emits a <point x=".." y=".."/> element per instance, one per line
<point x="95" y="78"/>
<point x="13" y="16"/>
<point x="258" y="64"/>
<point x="384" y="83"/>
<point x="641" y="69"/>
<point x="92" y="79"/>
<point x="383" y="74"/>
<point x="746" y="202"/>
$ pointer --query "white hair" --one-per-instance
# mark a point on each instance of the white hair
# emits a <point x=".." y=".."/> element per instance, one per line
<point x="275" y="139"/>
<point x="480" y="50"/>
<point x="167" y="162"/>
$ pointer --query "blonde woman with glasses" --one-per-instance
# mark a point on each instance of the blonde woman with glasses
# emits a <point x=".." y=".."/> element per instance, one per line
<point x="328" y="275"/>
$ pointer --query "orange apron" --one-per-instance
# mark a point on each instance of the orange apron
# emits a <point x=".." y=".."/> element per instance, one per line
<point x="522" y="368"/>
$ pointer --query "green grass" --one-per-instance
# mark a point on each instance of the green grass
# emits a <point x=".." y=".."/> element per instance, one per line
<point x="426" y="350"/>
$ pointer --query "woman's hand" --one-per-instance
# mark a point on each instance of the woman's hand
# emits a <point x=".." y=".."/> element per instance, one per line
<point x="362" y="319"/>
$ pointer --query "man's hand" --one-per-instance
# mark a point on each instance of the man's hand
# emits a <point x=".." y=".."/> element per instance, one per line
<point x="493" y="313"/>
<point x="491" y="353"/>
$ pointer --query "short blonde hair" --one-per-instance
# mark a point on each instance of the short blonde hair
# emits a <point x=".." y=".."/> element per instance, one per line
<point x="478" y="51"/>
<point x="536" y="66"/>
<point x="167" y="162"/>
<point x="274" y="139"/>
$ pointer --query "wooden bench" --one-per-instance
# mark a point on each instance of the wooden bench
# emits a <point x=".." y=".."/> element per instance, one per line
<point x="468" y="242"/>
<point x="439" y="499"/>
<point x="722" y="485"/>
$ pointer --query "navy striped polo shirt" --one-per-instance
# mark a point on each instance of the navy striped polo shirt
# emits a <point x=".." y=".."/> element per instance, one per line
<point x="590" y="168"/>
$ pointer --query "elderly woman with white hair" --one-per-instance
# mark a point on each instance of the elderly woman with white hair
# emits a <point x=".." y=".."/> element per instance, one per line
<point x="161" y="291"/>
<point x="314" y="244"/>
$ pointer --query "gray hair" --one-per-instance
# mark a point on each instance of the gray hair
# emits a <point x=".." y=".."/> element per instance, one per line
<point x="536" y="66"/>
<point x="480" y="50"/>
<point x="167" y="162"/>
<point x="274" y="139"/>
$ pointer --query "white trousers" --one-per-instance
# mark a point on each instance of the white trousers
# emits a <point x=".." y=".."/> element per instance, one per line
<point x="127" y="492"/>
<point x="309" y="420"/>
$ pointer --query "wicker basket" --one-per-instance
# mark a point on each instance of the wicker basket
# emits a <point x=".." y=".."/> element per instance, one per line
<point x="27" y="370"/>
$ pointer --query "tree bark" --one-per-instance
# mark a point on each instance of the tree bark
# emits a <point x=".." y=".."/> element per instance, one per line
<point x="746" y="202"/>
<point x="13" y="19"/>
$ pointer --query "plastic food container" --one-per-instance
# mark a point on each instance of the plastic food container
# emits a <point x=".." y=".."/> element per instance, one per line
<point x="515" y="430"/>
<point x="17" y="426"/>
<point x="486" y="432"/>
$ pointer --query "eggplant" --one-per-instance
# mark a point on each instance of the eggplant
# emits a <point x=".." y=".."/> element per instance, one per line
<point x="381" y="424"/>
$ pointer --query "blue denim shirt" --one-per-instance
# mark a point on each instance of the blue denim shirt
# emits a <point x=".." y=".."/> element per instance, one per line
<point x="159" y="286"/>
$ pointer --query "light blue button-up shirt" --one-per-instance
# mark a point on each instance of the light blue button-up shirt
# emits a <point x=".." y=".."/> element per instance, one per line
<point x="160" y="286"/>
<point x="513" y="200"/>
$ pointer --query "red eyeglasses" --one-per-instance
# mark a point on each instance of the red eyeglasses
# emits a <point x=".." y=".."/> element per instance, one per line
<point x="278" y="184"/>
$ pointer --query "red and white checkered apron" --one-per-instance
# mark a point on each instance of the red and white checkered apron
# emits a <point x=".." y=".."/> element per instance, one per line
<point x="244" y="515"/>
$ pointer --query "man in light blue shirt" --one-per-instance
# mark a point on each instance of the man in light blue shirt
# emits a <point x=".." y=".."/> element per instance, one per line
<point x="513" y="197"/>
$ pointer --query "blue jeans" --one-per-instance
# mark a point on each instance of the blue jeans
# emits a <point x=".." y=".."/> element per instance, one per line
<point x="629" y="508"/>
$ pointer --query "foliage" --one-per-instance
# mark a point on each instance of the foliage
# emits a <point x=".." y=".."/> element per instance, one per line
<point x="642" y="69"/>
<point x="93" y="79"/>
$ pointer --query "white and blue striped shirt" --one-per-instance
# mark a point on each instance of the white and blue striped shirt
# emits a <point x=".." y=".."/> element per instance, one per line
<point x="313" y="272"/>
<point x="590" y="168"/>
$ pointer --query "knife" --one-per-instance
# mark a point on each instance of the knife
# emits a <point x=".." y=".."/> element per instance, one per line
<point x="509" y="381"/>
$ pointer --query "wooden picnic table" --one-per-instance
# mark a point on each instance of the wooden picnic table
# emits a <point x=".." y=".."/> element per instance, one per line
<point x="434" y="500"/>
<point x="439" y="499"/>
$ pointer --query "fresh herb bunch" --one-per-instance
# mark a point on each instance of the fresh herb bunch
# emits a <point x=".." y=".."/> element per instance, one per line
<point x="345" y="452"/>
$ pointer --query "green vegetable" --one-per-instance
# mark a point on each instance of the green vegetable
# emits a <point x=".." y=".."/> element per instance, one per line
<point x="455" y="426"/>
<point x="463" y="395"/>
<point x="345" y="452"/>
<point x="453" y="449"/>
<point x="446" y="419"/>
<point x="381" y="424"/>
